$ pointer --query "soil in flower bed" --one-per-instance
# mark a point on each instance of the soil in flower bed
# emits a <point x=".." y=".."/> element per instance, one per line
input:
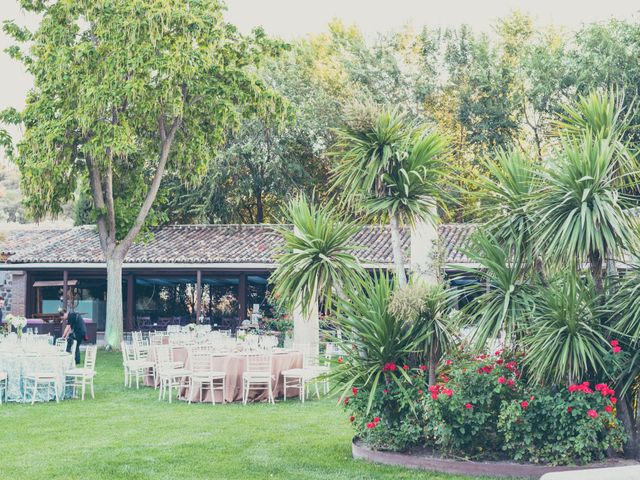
<point x="428" y="459"/>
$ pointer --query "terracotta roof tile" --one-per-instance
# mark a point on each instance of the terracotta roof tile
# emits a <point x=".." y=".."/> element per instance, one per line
<point x="204" y="244"/>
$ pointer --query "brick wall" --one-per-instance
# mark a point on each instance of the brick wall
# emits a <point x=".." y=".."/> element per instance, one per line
<point x="18" y="293"/>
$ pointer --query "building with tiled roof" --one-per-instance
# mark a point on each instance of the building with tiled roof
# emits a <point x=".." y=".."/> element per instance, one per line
<point x="228" y="264"/>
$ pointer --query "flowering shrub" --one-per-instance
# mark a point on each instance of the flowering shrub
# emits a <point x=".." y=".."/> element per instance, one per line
<point x="573" y="425"/>
<point x="393" y="422"/>
<point x="460" y="413"/>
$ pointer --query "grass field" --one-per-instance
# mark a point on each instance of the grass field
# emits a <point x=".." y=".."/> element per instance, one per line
<point x="130" y="434"/>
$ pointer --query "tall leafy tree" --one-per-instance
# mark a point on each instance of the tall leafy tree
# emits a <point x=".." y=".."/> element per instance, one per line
<point x="125" y="91"/>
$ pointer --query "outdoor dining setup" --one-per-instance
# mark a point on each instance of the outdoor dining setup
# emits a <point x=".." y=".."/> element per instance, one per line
<point x="35" y="369"/>
<point x="194" y="364"/>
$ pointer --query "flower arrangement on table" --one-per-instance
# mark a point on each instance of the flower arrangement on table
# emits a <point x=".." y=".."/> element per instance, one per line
<point x="16" y="321"/>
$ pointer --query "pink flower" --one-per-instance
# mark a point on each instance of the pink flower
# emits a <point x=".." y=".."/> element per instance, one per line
<point x="468" y="406"/>
<point x="447" y="392"/>
<point x="510" y="383"/>
<point x="511" y="366"/>
<point x="501" y="380"/>
<point x="340" y="360"/>
<point x="524" y="404"/>
<point x="423" y="368"/>
<point x="405" y="367"/>
<point x="617" y="349"/>
<point x="371" y="425"/>
<point x="592" y="413"/>
<point x="608" y="409"/>
<point x="389" y="366"/>
<point x="613" y="400"/>
<point x="448" y="362"/>
<point x="354" y="390"/>
<point x="614" y="343"/>
<point x="376" y="420"/>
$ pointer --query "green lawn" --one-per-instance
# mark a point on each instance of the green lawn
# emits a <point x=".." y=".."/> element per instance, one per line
<point x="129" y="434"/>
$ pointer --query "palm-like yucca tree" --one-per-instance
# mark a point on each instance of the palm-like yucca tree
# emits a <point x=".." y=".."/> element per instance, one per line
<point x="503" y="299"/>
<point x="317" y="259"/>
<point x="318" y="255"/>
<point x="566" y="342"/>
<point x="394" y="168"/>
<point x="373" y="337"/>
<point x="582" y="211"/>
<point x="426" y="309"/>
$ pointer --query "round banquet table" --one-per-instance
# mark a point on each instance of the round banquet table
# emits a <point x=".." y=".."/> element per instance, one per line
<point x="234" y="365"/>
<point x="17" y="362"/>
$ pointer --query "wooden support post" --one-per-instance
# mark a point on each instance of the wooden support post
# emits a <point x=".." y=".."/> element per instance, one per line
<point x="242" y="297"/>
<point x="130" y="302"/>
<point x="198" y="295"/>
<point x="65" y="289"/>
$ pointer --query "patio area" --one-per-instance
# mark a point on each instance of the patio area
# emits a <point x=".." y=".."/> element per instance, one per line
<point x="128" y="433"/>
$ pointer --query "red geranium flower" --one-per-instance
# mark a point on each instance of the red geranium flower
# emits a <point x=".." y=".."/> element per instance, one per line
<point x="608" y="409"/>
<point x="346" y="400"/>
<point x="423" y="368"/>
<point x="592" y="413"/>
<point x="500" y="361"/>
<point x="613" y="400"/>
<point x="340" y="359"/>
<point x="510" y="383"/>
<point x="376" y="420"/>
<point x="444" y="378"/>
<point x="385" y="391"/>
<point x="614" y="343"/>
<point x="468" y="406"/>
<point x="447" y="392"/>
<point x="511" y="366"/>
<point x="352" y="418"/>
<point x="617" y="349"/>
<point x="448" y="362"/>
<point x="569" y="409"/>
<point x="501" y="380"/>
<point x="405" y="367"/>
<point x="371" y="425"/>
<point x="354" y="390"/>
<point x="524" y="404"/>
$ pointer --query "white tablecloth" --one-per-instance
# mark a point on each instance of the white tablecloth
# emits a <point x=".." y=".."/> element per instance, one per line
<point x="17" y="361"/>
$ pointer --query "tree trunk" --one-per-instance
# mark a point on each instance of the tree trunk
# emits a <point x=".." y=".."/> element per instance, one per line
<point x="624" y="413"/>
<point x="114" y="327"/>
<point x="306" y="329"/>
<point x="259" y="207"/>
<point x="396" y="244"/>
<point x="433" y="359"/>
<point x="595" y="261"/>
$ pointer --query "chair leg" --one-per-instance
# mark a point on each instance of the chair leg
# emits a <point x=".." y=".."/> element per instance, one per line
<point x="84" y="385"/>
<point x="92" y="394"/>
<point x="35" y="391"/>
<point x="55" y="391"/>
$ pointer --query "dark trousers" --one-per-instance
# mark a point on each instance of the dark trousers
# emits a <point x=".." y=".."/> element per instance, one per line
<point x="70" y="340"/>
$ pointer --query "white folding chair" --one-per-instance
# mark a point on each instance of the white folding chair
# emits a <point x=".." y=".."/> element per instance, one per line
<point x="3" y="386"/>
<point x="301" y="378"/>
<point x="83" y="376"/>
<point x="170" y="376"/>
<point x="203" y="374"/>
<point x="44" y="377"/>
<point x="135" y="366"/>
<point x="257" y="376"/>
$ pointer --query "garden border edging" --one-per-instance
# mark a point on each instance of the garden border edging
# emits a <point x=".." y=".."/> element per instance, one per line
<point x="459" y="467"/>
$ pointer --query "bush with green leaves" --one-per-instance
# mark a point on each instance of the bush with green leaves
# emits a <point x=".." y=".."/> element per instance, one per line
<point x="393" y="420"/>
<point x="461" y="412"/>
<point x="561" y="426"/>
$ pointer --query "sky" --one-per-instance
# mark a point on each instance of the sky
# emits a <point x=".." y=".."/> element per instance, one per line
<point x="290" y="19"/>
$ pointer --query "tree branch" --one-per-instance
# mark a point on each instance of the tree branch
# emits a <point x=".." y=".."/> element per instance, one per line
<point x="165" y="149"/>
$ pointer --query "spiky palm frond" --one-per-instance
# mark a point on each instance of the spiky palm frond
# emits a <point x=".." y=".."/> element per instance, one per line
<point x="580" y="207"/>
<point x="317" y="255"/>
<point x="503" y="299"/>
<point x="373" y="337"/>
<point x="566" y="342"/>
<point x="505" y="198"/>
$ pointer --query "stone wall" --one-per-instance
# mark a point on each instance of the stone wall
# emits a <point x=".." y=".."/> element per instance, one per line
<point x="5" y="291"/>
<point x="13" y="287"/>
